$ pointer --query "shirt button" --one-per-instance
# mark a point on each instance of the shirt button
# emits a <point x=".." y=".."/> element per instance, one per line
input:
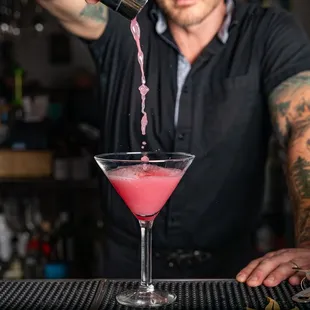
<point x="181" y="136"/>
<point x="185" y="89"/>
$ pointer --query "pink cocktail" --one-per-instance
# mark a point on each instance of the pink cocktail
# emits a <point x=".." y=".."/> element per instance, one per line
<point x="145" y="181"/>
<point x="145" y="188"/>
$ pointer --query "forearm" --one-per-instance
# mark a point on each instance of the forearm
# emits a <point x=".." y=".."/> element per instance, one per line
<point x="290" y="109"/>
<point x="299" y="183"/>
<point x="78" y="17"/>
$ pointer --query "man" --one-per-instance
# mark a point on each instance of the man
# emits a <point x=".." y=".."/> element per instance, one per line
<point x="219" y="72"/>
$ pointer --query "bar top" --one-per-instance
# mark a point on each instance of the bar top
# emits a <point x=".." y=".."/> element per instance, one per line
<point x="100" y="294"/>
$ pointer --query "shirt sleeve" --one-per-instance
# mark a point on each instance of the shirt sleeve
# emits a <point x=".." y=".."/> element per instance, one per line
<point x="286" y="50"/>
<point x="116" y="28"/>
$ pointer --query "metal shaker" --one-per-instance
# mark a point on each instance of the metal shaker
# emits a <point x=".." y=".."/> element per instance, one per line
<point x="128" y="8"/>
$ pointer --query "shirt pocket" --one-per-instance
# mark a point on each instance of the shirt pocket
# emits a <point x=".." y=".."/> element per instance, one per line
<point x="227" y="114"/>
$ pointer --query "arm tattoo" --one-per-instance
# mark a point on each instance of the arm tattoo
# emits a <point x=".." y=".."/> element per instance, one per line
<point x="303" y="107"/>
<point x="300" y="128"/>
<point x="301" y="176"/>
<point x="290" y="111"/>
<point x="291" y="85"/>
<point x="97" y="12"/>
<point x="303" y="226"/>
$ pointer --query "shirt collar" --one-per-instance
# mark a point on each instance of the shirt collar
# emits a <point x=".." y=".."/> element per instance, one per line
<point x="223" y="34"/>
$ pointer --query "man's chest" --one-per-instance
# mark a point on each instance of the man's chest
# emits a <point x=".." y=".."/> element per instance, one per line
<point x="190" y="108"/>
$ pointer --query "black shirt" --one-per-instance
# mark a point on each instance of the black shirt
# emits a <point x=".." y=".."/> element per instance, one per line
<point x="223" y="120"/>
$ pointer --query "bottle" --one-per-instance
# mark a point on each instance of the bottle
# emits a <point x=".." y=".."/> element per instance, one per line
<point x="128" y="8"/>
<point x="15" y="267"/>
<point x="54" y="267"/>
<point x="59" y="264"/>
<point x="31" y="261"/>
<point x="65" y="242"/>
<point x="18" y="94"/>
<point x="6" y="236"/>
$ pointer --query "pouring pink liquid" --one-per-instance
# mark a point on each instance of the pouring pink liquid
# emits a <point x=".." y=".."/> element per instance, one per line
<point x="143" y="89"/>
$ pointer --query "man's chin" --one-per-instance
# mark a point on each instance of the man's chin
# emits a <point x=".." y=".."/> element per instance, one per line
<point x="186" y="21"/>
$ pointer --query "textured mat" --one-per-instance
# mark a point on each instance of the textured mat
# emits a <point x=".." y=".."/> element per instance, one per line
<point x="100" y="294"/>
<point x="211" y="295"/>
<point x="31" y="295"/>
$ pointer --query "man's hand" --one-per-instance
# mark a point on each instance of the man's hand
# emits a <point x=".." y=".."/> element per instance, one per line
<point x="275" y="267"/>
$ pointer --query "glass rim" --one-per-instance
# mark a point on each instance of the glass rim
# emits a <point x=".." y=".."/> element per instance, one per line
<point x="183" y="157"/>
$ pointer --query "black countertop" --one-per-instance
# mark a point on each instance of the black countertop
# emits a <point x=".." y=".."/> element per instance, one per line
<point x="100" y="294"/>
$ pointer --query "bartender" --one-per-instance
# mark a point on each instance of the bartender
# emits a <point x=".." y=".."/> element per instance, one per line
<point x="222" y="76"/>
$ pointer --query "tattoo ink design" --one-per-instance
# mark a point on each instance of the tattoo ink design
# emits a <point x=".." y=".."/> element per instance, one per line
<point x="290" y="110"/>
<point x="97" y="12"/>
<point x="303" y="226"/>
<point x="301" y="175"/>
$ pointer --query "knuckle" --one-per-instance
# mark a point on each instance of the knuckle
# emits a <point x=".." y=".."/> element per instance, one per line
<point x="266" y="261"/>
<point x="287" y="255"/>
<point x="281" y="251"/>
<point x="269" y="254"/>
<point x="253" y="263"/>
<point x="257" y="261"/>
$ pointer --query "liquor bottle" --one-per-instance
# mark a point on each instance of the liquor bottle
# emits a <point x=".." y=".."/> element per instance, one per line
<point x="60" y="262"/>
<point x="38" y="252"/>
<point x="31" y="261"/>
<point x="18" y="94"/>
<point x="14" y="269"/>
<point x="65" y="242"/>
<point x="6" y="235"/>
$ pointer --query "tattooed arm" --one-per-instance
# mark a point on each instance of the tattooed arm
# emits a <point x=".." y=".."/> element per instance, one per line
<point x="286" y="50"/>
<point x="83" y="19"/>
<point x="290" y="109"/>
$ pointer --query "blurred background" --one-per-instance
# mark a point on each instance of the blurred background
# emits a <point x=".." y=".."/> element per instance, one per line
<point x="50" y="218"/>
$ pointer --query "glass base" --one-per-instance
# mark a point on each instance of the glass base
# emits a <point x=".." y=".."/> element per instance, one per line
<point x="145" y="297"/>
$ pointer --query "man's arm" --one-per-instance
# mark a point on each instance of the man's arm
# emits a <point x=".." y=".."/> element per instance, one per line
<point x="86" y="20"/>
<point x="290" y="110"/>
<point x="285" y="77"/>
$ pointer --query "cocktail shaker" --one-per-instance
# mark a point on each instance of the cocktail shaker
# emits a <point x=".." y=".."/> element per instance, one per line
<point x="127" y="8"/>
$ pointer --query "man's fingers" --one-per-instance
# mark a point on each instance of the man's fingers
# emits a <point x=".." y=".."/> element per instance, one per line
<point x="262" y="270"/>
<point x="257" y="275"/>
<point x="296" y="279"/>
<point x="280" y="273"/>
<point x="245" y="272"/>
<point x="275" y="267"/>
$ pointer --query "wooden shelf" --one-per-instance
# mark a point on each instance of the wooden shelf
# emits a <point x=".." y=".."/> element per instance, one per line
<point x="48" y="183"/>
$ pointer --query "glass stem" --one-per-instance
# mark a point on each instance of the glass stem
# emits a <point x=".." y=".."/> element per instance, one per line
<point x="146" y="253"/>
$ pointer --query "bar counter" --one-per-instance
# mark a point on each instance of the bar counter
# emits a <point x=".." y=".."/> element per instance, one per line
<point x="100" y="294"/>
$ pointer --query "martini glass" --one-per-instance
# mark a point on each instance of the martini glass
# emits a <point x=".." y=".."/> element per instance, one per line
<point x="145" y="181"/>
